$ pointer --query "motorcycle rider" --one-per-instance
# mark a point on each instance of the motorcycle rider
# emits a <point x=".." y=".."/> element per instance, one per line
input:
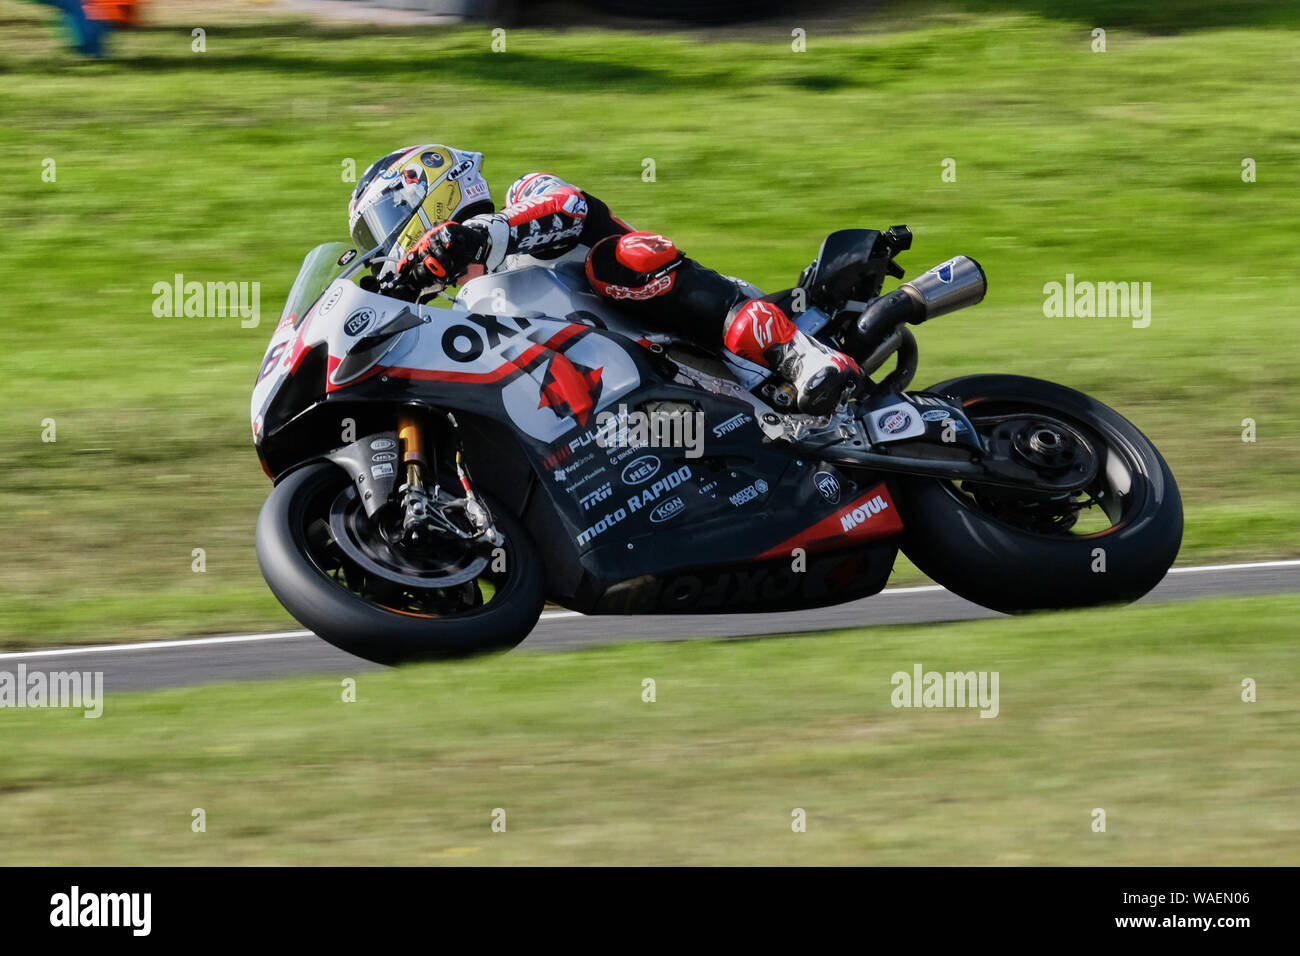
<point x="453" y="233"/>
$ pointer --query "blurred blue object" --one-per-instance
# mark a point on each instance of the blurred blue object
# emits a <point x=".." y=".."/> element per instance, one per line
<point x="87" y="34"/>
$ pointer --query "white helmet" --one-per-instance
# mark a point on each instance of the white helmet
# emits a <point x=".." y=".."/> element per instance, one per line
<point x="410" y="191"/>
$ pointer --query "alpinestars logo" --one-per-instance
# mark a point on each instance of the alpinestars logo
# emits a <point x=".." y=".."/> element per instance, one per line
<point x="576" y="206"/>
<point x="763" y="331"/>
<point x="570" y="389"/>
<point x="648" y="291"/>
<point x="548" y="237"/>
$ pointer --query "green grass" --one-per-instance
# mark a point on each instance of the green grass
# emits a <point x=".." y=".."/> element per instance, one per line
<point x="1135" y="711"/>
<point x="226" y="165"/>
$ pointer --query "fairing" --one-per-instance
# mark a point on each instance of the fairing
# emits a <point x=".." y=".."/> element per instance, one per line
<point x="732" y="522"/>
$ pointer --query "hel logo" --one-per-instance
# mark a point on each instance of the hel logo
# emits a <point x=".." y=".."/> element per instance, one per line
<point x="894" y="422"/>
<point x="828" y="485"/>
<point x="570" y="389"/>
<point x="862" y="513"/>
<point x="642" y="469"/>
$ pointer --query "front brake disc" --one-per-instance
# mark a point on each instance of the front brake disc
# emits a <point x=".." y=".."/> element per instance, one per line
<point x="360" y="538"/>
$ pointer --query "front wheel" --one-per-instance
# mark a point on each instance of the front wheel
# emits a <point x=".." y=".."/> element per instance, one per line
<point x="1015" y="551"/>
<point x="335" y="570"/>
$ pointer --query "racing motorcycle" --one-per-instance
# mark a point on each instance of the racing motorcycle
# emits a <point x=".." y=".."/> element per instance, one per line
<point x="441" y="470"/>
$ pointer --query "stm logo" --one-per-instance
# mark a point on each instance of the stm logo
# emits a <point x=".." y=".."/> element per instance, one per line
<point x="828" y="485"/>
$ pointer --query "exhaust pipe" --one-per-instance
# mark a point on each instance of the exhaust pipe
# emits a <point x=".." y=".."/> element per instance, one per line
<point x="949" y="286"/>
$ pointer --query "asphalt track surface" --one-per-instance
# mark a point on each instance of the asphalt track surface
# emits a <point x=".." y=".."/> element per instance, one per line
<point x="244" y="657"/>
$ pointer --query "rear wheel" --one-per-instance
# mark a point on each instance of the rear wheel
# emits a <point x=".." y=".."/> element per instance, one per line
<point x="349" y="579"/>
<point x="1016" y="551"/>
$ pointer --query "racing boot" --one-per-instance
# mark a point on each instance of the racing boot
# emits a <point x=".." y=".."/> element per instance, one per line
<point x="762" y="333"/>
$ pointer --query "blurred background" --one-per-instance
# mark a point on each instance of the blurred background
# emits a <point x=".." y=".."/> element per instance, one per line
<point x="219" y="142"/>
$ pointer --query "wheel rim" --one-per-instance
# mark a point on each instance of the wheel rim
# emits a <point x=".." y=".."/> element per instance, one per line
<point x="358" y="554"/>
<point x="376" y="547"/>
<point x="1049" y="439"/>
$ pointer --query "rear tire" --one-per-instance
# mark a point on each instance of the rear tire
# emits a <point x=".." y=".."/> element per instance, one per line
<point x="386" y="636"/>
<point x="992" y="562"/>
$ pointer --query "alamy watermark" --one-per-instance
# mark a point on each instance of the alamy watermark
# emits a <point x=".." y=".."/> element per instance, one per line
<point x="208" y="300"/>
<point x="675" y="428"/>
<point x="75" y="689"/>
<point x="949" y="689"/>
<point x="75" y="908"/>
<point x="1086" y="300"/>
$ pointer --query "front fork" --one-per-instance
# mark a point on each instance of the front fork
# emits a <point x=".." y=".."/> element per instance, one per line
<point x="415" y="499"/>
<point x="422" y="515"/>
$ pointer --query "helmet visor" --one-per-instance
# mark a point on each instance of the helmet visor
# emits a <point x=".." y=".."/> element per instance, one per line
<point x="382" y="214"/>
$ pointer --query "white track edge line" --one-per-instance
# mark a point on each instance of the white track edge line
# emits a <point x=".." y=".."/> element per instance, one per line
<point x="548" y="616"/>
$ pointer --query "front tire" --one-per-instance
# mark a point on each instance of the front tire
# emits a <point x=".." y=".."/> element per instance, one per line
<point x="340" y="602"/>
<point x="1015" y="557"/>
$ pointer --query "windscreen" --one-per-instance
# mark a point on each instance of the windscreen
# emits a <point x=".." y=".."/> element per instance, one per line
<point x="320" y="267"/>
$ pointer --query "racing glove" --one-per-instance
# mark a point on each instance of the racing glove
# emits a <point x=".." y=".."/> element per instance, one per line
<point x="448" y="254"/>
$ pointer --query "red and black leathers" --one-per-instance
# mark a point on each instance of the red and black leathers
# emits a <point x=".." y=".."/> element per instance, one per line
<point x="546" y="218"/>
